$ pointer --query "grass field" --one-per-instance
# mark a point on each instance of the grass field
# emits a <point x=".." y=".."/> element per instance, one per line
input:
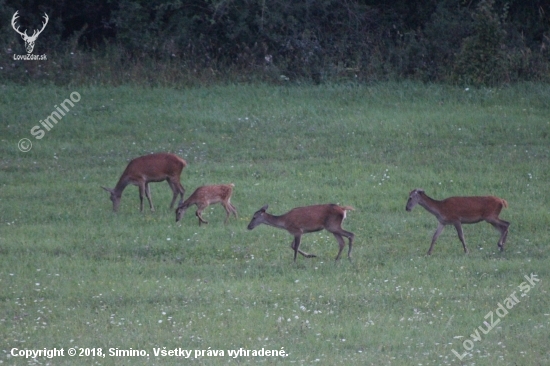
<point x="75" y="275"/>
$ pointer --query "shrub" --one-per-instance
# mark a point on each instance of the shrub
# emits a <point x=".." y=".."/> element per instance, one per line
<point x="481" y="60"/>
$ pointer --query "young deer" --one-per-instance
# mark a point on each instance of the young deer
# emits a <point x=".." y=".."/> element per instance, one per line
<point x="205" y="196"/>
<point x="302" y="220"/>
<point x="150" y="168"/>
<point x="462" y="210"/>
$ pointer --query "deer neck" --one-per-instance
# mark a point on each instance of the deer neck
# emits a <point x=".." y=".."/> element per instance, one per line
<point x="431" y="205"/>
<point x="275" y="221"/>
<point x="122" y="183"/>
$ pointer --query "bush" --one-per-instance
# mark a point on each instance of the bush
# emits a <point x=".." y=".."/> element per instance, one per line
<point x="481" y="60"/>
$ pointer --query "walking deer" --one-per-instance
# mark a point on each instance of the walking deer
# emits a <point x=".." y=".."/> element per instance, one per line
<point x="150" y="168"/>
<point x="302" y="220"/>
<point x="462" y="210"/>
<point x="205" y="196"/>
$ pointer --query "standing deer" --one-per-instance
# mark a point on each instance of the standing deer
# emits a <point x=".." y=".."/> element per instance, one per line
<point x="302" y="220"/>
<point x="29" y="41"/>
<point x="205" y="196"/>
<point x="462" y="210"/>
<point x="150" y="168"/>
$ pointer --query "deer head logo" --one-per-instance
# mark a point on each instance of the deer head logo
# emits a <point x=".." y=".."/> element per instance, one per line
<point x="29" y="41"/>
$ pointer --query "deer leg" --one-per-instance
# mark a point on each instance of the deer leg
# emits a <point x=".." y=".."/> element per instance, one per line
<point x="501" y="226"/>
<point x="199" y="215"/>
<point x="350" y="236"/>
<point x="461" y="236"/>
<point x="438" y="231"/>
<point x="175" y="192"/>
<point x="233" y="209"/>
<point x="181" y="190"/>
<point x="201" y="220"/>
<point x="341" y="244"/>
<point x="228" y="211"/>
<point x="296" y="245"/>
<point x="504" y="235"/>
<point x="148" y="195"/>
<point x="141" y="188"/>
<point x="296" y="248"/>
<point x="177" y="189"/>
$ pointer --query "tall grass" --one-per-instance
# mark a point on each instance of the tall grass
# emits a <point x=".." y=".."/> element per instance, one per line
<point x="73" y="274"/>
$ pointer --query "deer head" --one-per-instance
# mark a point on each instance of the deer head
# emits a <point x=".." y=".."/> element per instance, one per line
<point x="29" y="41"/>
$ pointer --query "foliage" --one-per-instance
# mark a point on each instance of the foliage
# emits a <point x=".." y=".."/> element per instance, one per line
<point x="448" y="26"/>
<point x="480" y="41"/>
<point x="481" y="59"/>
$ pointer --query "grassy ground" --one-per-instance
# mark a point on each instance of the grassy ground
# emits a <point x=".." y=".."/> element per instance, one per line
<point x="75" y="275"/>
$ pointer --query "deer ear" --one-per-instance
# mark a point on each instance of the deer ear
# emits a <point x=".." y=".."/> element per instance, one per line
<point x="263" y="209"/>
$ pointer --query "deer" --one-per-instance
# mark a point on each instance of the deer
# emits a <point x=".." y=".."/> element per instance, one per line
<point x="150" y="168"/>
<point x="462" y="210"/>
<point x="205" y="196"/>
<point x="29" y="41"/>
<point x="308" y="219"/>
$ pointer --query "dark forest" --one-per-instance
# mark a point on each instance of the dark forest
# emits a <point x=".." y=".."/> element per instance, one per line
<point x="466" y="42"/>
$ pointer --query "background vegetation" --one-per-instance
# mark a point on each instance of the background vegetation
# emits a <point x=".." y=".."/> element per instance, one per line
<point x="475" y="42"/>
<point x="73" y="274"/>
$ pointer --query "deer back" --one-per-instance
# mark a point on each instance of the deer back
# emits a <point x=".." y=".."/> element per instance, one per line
<point x="315" y="217"/>
<point x="473" y="207"/>
<point x="153" y="168"/>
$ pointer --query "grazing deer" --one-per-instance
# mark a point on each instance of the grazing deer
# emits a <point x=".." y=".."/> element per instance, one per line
<point x="205" y="196"/>
<point x="462" y="210"/>
<point x="150" y="168"/>
<point x="29" y="41"/>
<point x="302" y="220"/>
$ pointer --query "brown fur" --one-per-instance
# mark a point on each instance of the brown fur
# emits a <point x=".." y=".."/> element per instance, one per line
<point x="302" y="220"/>
<point x="150" y="168"/>
<point x="462" y="210"/>
<point x="208" y="195"/>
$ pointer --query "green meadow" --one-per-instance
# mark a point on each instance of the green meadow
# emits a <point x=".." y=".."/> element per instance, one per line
<point x="76" y="276"/>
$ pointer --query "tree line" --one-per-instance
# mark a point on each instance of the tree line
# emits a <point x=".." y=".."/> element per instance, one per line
<point x="470" y="42"/>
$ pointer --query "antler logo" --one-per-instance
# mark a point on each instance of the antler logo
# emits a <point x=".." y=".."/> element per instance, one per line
<point x="29" y="41"/>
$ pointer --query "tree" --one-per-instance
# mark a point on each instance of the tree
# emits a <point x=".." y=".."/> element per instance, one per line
<point x="481" y="60"/>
